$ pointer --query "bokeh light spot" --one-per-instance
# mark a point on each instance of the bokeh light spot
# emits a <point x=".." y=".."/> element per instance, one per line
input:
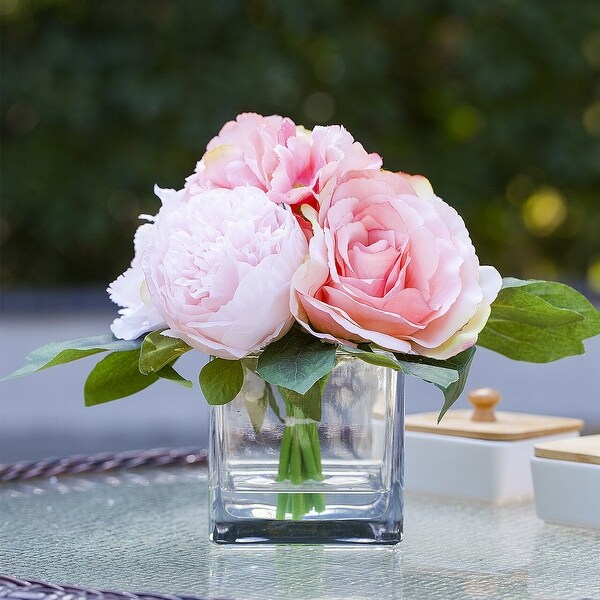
<point x="21" y="118"/>
<point x="544" y="211"/>
<point x="450" y="35"/>
<point x="319" y="107"/>
<point x="591" y="48"/>
<point x="593" y="275"/>
<point x="591" y="119"/>
<point x="464" y="122"/>
<point x="7" y="6"/>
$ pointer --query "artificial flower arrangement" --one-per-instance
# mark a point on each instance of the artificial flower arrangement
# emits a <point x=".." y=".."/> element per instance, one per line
<point x="287" y="246"/>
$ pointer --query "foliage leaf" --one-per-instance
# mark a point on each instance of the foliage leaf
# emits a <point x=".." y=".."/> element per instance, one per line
<point x="431" y="370"/>
<point x="58" y="353"/>
<point x="439" y="372"/>
<point x="221" y="380"/>
<point x="255" y="393"/>
<point x="449" y="375"/>
<point x="539" y="321"/>
<point x="168" y="372"/>
<point x="158" y="350"/>
<point x="272" y="401"/>
<point x="562" y="296"/>
<point x="310" y="402"/>
<point x="257" y="410"/>
<point x="377" y="358"/>
<point x="116" y="376"/>
<point x="462" y="363"/>
<point x="296" y="361"/>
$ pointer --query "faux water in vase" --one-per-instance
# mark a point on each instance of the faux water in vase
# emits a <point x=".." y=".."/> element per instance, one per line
<point x="291" y="469"/>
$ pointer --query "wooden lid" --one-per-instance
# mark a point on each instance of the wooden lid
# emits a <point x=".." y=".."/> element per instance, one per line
<point x="585" y="449"/>
<point x="485" y="424"/>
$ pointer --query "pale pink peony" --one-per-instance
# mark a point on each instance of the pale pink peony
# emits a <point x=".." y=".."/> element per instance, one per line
<point x="286" y="161"/>
<point x="138" y="315"/>
<point x="219" y="267"/>
<point x="393" y="264"/>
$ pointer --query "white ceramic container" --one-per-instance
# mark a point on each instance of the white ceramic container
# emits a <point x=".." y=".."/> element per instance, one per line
<point x="480" y="455"/>
<point x="459" y="467"/>
<point x="566" y="480"/>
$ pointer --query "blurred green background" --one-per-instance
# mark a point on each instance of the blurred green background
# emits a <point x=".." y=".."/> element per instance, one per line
<point x="497" y="102"/>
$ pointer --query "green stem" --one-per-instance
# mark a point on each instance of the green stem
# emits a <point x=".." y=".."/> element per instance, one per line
<point x="296" y="458"/>
<point x="282" y="502"/>
<point x="299" y="460"/>
<point x="319" y="502"/>
<point x="316" y="445"/>
<point x="306" y="446"/>
<point x="284" y="454"/>
<point x="298" y="510"/>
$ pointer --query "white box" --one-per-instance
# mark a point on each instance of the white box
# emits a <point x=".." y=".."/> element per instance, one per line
<point x="478" y="454"/>
<point x="567" y="491"/>
<point x="461" y="467"/>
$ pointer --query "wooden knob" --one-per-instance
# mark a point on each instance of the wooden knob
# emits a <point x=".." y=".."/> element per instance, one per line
<point x="483" y="401"/>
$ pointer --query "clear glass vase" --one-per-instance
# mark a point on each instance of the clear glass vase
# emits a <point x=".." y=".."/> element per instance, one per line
<point x="276" y="475"/>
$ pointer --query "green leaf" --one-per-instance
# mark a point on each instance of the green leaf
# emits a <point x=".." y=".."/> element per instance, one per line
<point x="438" y="372"/>
<point x="159" y="350"/>
<point x="521" y="304"/>
<point x="221" y="380"/>
<point x="511" y="282"/>
<point x="272" y="401"/>
<point x="116" y="376"/>
<point x="296" y="361"/>
<point x="58" y="353"/>
<point x="449" y="375"/>
<point x="168" y="372"/>
<point x="563" y="296"/>
<point x="428" y="369"/>
<point x="255" y="392"/>
<point x="462" y="364"/>
<point x="528" y="343"/>
<point x="539" y="321"/>
<point x="309" y="403"/>
<point x="379" y="358"/>
<point x="257" y="411"/>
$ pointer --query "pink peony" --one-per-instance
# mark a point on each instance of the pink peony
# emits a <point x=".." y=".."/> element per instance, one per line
<point x="286" y="161"/>
<point x="218" y="269"/>
<point x="391" y="263"/>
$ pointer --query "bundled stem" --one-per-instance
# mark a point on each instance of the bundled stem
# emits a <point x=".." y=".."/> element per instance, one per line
<point x="299" y="461"/>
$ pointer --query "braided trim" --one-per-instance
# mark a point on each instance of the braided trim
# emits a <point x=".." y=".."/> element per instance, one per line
<point x="104" y="461"/>
<point x="14" y="588"/>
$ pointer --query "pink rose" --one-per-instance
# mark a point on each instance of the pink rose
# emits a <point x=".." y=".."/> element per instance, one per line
<point x="286" y="161"/>
<point x="242" y="154"/>
<point x="218" y="269"/>
<point x="391" y="263"/>
<point x="309" y="161"/>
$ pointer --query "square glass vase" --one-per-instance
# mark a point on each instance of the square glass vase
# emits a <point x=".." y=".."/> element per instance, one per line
<point x="280" y="472"/>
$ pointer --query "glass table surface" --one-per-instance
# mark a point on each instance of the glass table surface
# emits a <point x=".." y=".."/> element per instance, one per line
<point x="146" y="530"/>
